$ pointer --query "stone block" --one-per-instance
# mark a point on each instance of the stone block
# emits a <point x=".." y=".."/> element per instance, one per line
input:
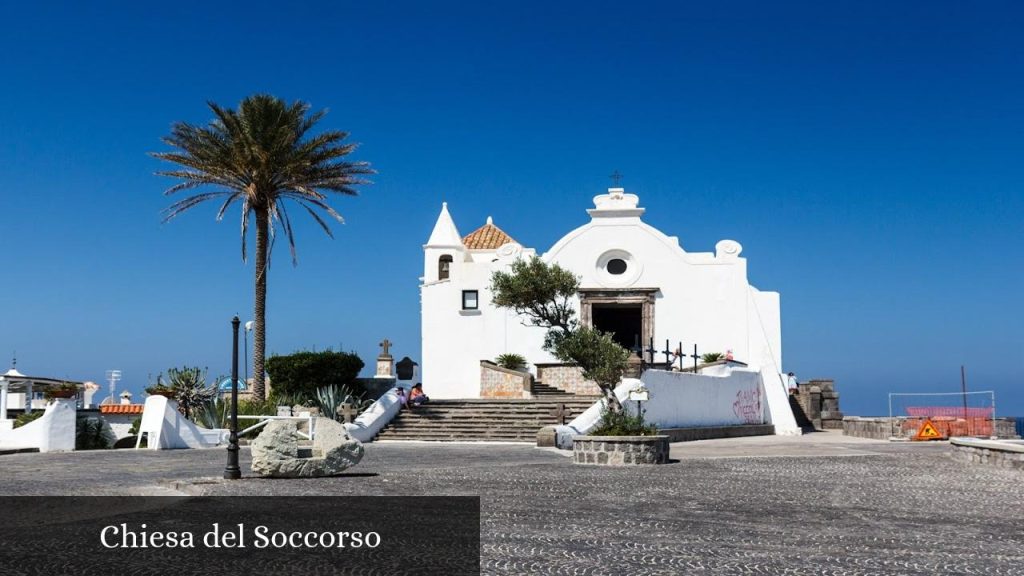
<point x="546" y="437"/>
<point x="276" y="452"/>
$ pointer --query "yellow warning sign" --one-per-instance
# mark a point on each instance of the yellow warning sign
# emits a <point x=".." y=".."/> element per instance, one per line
<point x="928" y="432"/>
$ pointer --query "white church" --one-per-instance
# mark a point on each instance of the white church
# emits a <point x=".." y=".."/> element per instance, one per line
<point x="635" y="282"/>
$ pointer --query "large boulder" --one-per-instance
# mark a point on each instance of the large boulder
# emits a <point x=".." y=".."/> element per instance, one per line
<point x="276" y="452"/>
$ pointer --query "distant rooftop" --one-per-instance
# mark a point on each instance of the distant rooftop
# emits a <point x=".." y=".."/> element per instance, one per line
<point x="121" y="408"/>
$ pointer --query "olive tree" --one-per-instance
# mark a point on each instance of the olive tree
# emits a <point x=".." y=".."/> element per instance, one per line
<point x="542" y="294"/>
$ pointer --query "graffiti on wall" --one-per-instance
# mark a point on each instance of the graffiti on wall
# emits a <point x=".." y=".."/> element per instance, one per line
<point x="747" y="406"/>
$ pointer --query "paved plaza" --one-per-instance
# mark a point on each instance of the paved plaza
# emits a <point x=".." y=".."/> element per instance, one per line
<point x="817" y="504"/>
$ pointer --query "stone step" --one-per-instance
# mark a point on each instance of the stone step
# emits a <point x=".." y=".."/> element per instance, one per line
<point x="469" y="435"/>
<point x="532" y="405"/>
<point x="468" y="426"/>
<point x="426" y="412"/>
<point x="514" y="420"/>
<point x="496" y="415"/>
<point x="528" y="440"/>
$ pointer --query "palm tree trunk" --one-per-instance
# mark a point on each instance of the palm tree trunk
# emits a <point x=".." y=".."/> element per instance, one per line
<point x="259" y="335"/>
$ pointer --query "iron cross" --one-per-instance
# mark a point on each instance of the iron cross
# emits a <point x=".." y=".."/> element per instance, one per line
<point x="668" y="355"/>
<point x="616" y="178"/>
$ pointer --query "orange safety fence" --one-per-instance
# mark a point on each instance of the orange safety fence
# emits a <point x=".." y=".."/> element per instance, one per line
<point x="951" y="411"/>
<point x="948" y="426"/>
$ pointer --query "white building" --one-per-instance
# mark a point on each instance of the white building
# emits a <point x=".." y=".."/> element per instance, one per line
<point x="636" y="282"/>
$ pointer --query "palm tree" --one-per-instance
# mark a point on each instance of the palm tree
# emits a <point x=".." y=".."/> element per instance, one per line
<point x="259" y="156"/>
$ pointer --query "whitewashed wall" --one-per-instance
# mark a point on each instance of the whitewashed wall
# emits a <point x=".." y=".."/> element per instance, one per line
<point x="730" y="397"/>
<point x="682" y="400"/>
<point x="54" y="431"/>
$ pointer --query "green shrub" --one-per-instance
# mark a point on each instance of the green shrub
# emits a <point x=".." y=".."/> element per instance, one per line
<point x="25" y="418"/>
<point x="511" y="361"/>
<point x="303" y="373"/>
<point x="623" y="424"/>
<point x="93" y="433"/>
<point x="64" y="390"/>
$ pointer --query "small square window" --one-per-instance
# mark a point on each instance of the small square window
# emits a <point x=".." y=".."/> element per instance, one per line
<point x="470" y="300"/>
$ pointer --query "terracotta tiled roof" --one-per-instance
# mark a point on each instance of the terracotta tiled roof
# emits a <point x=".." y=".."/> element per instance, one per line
<point x="487" y="237"/>
<point x="121" y="408"/>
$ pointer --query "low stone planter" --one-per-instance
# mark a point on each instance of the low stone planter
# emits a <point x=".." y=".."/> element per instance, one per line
<point x="620" y="450"/>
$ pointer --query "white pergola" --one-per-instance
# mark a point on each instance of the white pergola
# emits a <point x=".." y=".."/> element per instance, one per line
<point x="12" y="380"/>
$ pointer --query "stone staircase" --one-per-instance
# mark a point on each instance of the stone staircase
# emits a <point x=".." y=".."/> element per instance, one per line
<point x="542" y="389"/>
<point x="482" y="420"/>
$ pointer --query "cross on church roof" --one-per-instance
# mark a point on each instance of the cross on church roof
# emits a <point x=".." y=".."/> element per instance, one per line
<point x="616" y="178"/>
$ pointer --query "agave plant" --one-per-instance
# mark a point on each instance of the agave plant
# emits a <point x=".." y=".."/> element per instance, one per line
<point x="189" y="388"/>
<point x="212" y="413"/>
<point x="712" y="357"/>
<point x="329" y="398"/>
<point x="511" y="361"/>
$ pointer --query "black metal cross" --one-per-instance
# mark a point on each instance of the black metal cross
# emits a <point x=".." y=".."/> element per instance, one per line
<point x="668" y="355"/>
<point x="616" y="178"/>
<point x="679" y="353"/>
<point x="651" y="351"/>
<point x="695" y="357"/>
<point x="560" y="412"/>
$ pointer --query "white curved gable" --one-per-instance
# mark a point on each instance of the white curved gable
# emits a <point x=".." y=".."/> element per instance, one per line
<point x="653" y="259"/>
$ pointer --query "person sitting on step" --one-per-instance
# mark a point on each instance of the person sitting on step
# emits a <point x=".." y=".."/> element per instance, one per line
<point x="416" y="395"/>
<point x="403" y="400"/>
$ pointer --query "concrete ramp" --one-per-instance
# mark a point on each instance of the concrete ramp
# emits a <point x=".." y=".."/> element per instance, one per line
<point x="165" y="428"/>
<point x="54" y="431"/>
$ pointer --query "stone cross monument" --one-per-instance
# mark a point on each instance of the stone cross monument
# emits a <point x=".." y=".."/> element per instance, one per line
<point x="385" y="362"/>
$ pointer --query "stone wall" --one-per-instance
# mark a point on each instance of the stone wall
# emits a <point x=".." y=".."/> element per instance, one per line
<point x="882" y="428"/>
<point x="1004" y="454"/>
<point x="567" y="378"/>
<point x="820" y="402"/>
<point x="620" y="450"/>
<point x="498" y="382"/>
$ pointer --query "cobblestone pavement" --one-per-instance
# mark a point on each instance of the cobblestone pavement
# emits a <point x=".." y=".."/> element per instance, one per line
<point x="817" y="504"/>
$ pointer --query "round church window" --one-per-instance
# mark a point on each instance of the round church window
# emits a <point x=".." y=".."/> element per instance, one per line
<point x="617" y="268"/>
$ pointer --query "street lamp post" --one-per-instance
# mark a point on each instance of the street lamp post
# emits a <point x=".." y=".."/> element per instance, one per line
<point x="232" y="471"/>
<point x="248" y="328"/>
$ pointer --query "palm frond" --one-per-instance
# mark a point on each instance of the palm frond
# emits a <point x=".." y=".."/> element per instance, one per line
<point x="261" y="156"/>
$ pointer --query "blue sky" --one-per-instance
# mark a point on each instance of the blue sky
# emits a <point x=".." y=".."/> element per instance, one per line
<point x="868" y="155"/>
